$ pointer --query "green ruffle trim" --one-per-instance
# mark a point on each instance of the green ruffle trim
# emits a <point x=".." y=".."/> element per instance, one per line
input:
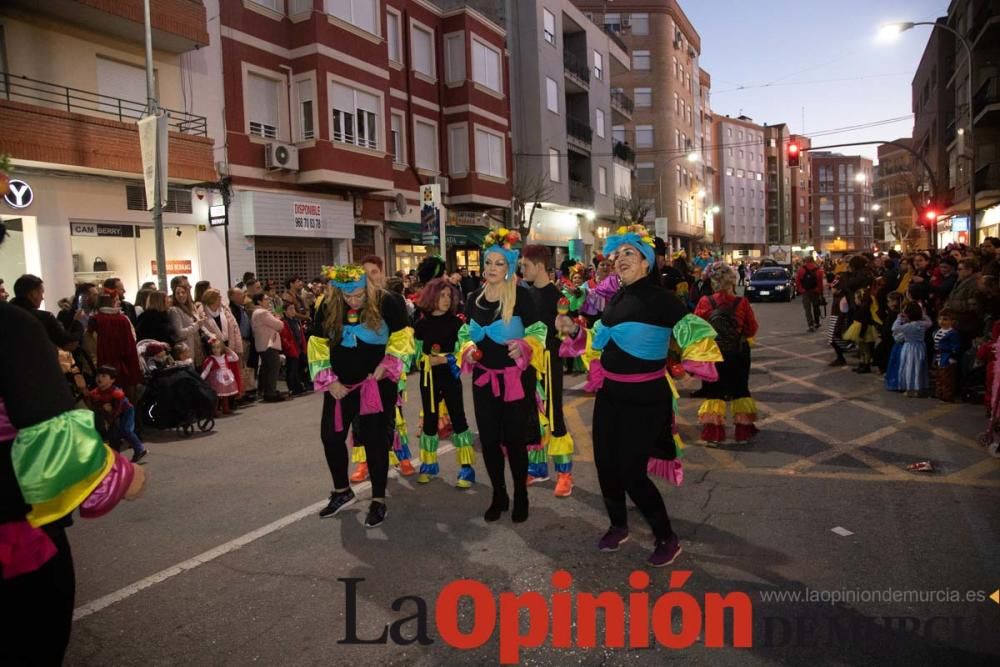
<point x="463" y="439"/>
<point x="537" y="455"/>
<point x="463" y="336"/>
<point x="691" y="329"/>
<point x="56" y="454"/>
<point x="428" y="448"/>
<point x="538" y="331"/>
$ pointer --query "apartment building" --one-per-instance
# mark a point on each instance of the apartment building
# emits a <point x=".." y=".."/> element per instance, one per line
<point x="337" y="112"/>
<point x="897" y="177"/>
<point x="842" y="198"/>
<point x="778" y="185"/>
<point x="666" y="127"/>
<point x="801" y="178"/>
<point x="74" y="85"/>
<point x="706" y="196"/>
<point x="741" y="226"/>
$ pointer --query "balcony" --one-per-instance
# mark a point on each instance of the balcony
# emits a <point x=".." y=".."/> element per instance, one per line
<point x="612" y="30"/>
<point x="579" y="132"/>
<point x="577" y="73"/>
<point x="581" y="193"/>
<point x="178" y="25"/>
<point x="623" y="152"/>
<point x="950" y="134"/>
<point x="622" y="104"/>
<point x="49" y="123"/>
<point x="986" y="102"/>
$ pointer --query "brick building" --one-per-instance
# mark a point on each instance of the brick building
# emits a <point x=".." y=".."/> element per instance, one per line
<point x="842" y="198"/>
<point x="801" y="178"/>
<point x="74" y="85"/>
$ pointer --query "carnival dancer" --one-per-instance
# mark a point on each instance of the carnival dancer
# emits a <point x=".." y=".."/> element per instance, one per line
<point x="436" y="336"/>
<point x="534" y="265"/>
<point x="360" y="338"/>
<point x="593" y="304"/>
<point x="626" y="353"/>
<point x="503" y="346"/>
<point x="733" y="320"/>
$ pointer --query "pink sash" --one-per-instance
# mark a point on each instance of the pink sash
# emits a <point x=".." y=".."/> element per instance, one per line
<point x="512" y="389"/>
<point x="371" y="401"/>
<point x="597" y="375"/>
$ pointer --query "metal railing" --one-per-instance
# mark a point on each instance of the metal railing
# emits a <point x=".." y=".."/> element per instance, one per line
<point x="576" y="67"/>
<point x="623" y="152"/>
<point x="43" y="93"/>
<point x="579" y="129"/>
<point x="609" y="29"/>
<point x="622" y="102"/>
<point x="581" y="192"/>
<point x="988" y="93"/>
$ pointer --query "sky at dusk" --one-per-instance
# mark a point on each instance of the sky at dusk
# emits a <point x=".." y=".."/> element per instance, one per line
<point x="822" y="60"/>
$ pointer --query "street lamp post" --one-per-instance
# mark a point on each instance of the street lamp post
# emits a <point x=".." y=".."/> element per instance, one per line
<point x="891" y="29"/>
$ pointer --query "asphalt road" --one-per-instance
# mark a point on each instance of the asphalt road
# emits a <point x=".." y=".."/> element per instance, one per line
<point x="224" y="561"/>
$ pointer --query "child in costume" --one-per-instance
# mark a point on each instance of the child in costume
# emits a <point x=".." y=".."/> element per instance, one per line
<point x="113" y="413"/>
<point x="574" y="289"/>
<point x="947" y="347"/>
<point x="436" y="337"/>
<point x="626" y="354"/>
<point x="911" y="327"/>
<point x="894" y="301"/>
<point x="217" y="369"/>
<point x="862" y="331"/>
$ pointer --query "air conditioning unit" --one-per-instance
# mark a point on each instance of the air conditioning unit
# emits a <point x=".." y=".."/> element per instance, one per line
<point x="281" y="156"/>
<point x="443" y="182"/>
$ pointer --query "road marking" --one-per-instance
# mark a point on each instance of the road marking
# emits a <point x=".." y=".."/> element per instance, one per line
<point x="106" y="601"/>
<point x="840" y="530"/>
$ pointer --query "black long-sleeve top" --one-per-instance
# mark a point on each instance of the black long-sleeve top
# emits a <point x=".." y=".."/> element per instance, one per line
<point x="547" y="306"/>
<point x="440" y="330"/>
<point x="155" y="325"/>
<point x="353" y="364"/>
<point x="485" y="312"/>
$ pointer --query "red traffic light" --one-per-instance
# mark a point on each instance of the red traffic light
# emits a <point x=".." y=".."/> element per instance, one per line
<point x="930" y="215"/>
<point x="792" y="151"/>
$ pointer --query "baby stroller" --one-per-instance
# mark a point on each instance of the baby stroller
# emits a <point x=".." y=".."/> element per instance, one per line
<point x="176" y="397"/>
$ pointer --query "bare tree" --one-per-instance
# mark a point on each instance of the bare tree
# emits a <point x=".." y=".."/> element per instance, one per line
<point x="529" y="190"/>
<point x="632" y="208"/>
<point x="908" y="180"/>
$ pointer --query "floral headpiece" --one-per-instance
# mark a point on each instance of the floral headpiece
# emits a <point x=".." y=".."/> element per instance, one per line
<point x="502" y="241"/>
<point x="577" y="269"/>
<point x="634" y="235"/>
<point x="346" y="278"/>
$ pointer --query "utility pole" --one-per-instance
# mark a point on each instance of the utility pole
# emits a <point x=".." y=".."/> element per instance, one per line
<point x="153" y="109"/>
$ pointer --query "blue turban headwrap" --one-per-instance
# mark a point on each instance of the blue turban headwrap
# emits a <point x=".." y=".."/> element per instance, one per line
<point x="632" y="239"/>
<point x="351" y="286"/>
<point x="509" y="255"/>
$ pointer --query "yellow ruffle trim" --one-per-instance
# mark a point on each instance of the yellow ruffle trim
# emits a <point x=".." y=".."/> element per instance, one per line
<point x="71" y="498"/>
<point x="561" y="445"/>
<point x="702" y="350"/>
<point x="401" y="343"/>
<point x="358" y="454"/>
<point x="712" y="411"/>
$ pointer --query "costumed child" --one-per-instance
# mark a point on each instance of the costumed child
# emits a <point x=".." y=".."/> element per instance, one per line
<point x="574" y="289"/>
<point x="626" y="353"/>
<point x="503" y="345"/>
<point x="911" y="327"/>
<point x="436" y="341"/>
<point x="114" y="415"/>
<point x="863" y="329"/>
<point x="595" y="300"/>
<point x="217" y="369"/>
<point x="894" y="303"/>
<point x="947" y="347"/>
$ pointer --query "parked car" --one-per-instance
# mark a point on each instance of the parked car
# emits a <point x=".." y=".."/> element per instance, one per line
<point x="771" y="283"/>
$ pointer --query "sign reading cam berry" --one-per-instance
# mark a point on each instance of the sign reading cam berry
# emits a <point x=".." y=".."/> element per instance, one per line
<point x="307" y="215"/>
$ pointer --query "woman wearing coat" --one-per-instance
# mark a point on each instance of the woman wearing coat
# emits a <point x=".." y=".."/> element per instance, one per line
<point x="219" y="322"/>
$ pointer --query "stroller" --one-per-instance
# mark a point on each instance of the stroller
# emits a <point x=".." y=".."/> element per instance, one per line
<point x="176" y="397"/>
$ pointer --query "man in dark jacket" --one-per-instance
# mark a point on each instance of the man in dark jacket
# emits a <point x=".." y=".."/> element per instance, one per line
<point x="809" y="283"/>
<point x="29" y="292"/>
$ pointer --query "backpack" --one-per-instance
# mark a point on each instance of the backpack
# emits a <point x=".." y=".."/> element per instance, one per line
<point x="728" y="337"/>
<point x="809" y="281"/>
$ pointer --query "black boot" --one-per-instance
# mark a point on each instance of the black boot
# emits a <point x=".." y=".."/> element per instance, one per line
<point x="520" y="511"/>
<point x="500" y="504"/>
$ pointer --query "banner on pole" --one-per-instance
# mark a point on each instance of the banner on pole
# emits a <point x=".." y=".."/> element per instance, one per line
<point x="430" y="213"/>
<point x="153" y="145"/>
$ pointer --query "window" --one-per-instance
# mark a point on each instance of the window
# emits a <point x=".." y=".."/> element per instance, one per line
<point x="392" y="36"/>
<point x="554" y="165"/>
<point x="458" y="149"/>
<point x="679" y="181"/>
<point x="360" y="13"/>
<point x="618" y="133"/>
<point x="602" y="180"/>
<point x="645" y="173"/>
<point x="598" y="65"/>
<point x="355" y="117"/>
<point x="599" y="123"/>
<point x="486" y="65"/>
<point x="729" y="132"/>
<point x="644" y="136"/>
<point x="454" y="51"/>
<point x="640" y="24"/>
<point x="422" y="47"/>
<point x="262" y="106"/>
<point x="729" y="172"/>
<point x="398" y="123"/>
<point x="677" y="104"/>
<point x="739" y="173"/>
<point x="305" y="93"/>
<point x="490" y="153"/>
<point x="551" y="95"/>
<point x="760" y="176"/>
<point x="119" y="80"/>
<point x="274" y="5"/>
<point x="425" y="145"/>
<point x="640" y="60"/>
<point x="613" y="22"/>
<point x="549" y="26"/>
<point x="643" y="97"/>
<point x="677" y="139"/>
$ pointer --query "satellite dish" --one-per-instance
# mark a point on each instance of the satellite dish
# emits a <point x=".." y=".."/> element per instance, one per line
<point x="401" y="205"/>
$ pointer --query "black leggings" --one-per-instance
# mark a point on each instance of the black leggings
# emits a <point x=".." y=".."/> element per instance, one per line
<point x="375" y="433"/>
<point x="624" y="435"/>
<point x="508" y="425"/>
<point x="558" y="424"/>
<point x="449" y="388"/>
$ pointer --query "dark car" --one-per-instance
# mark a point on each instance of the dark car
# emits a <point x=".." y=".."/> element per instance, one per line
<point x="771" y="283"/>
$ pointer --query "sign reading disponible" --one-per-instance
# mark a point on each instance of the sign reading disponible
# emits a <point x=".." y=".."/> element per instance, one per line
<point x="307" y="215"/>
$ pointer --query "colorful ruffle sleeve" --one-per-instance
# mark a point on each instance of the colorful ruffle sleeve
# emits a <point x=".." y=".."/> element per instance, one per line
<point x="535" y="336"/>
<point x="696" y="339"/>
<point x="318" y="355"/>
<point x="464" y="348"/>
<point x="398" y="349"/>
<point x="582" y="346"/>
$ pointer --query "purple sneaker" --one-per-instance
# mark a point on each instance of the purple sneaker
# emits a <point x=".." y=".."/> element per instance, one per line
<point x="612" y="539"/>
<point x="665" y="553"/>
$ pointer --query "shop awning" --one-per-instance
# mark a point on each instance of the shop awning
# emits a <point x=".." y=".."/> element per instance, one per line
<point x="457" y="235"/>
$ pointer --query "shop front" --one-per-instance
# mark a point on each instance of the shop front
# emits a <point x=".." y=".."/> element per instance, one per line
<point x="407" y="249"/>
<point x="568" y="232"/>
<point x="953" y="230"/>
<point x="989" y="224"/>
<point x="75" y="229"/>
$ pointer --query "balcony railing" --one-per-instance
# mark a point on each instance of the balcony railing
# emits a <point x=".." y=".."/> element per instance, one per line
<point x="988" y="93"/>
<point x="623" y="152"/>
<point x="612" y="31"/>
<point x="581" y="193"/>
<point x="949" y="132"/>
<point x="622" y="102"/>
<point x="576" y="67"/>
<point x="32" y="91"/>
<point x="579" y="130"/>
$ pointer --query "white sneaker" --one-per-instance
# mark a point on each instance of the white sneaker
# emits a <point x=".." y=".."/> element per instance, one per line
<point x="994" y="449"/>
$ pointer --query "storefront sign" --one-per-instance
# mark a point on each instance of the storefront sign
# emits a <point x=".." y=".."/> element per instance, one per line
<point x="307" y="215"/>
<point x="465" y="218"/>
<point x="430" y="213"/>
<point x="175" y="267"/>
<point x="92" y="229"/>
<point x="19" y="194"/>
<point x="217" y="215"/>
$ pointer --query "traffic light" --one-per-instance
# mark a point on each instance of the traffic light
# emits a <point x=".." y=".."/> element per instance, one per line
<point x="928" y="216"/>
<point x="793" y="151"/>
